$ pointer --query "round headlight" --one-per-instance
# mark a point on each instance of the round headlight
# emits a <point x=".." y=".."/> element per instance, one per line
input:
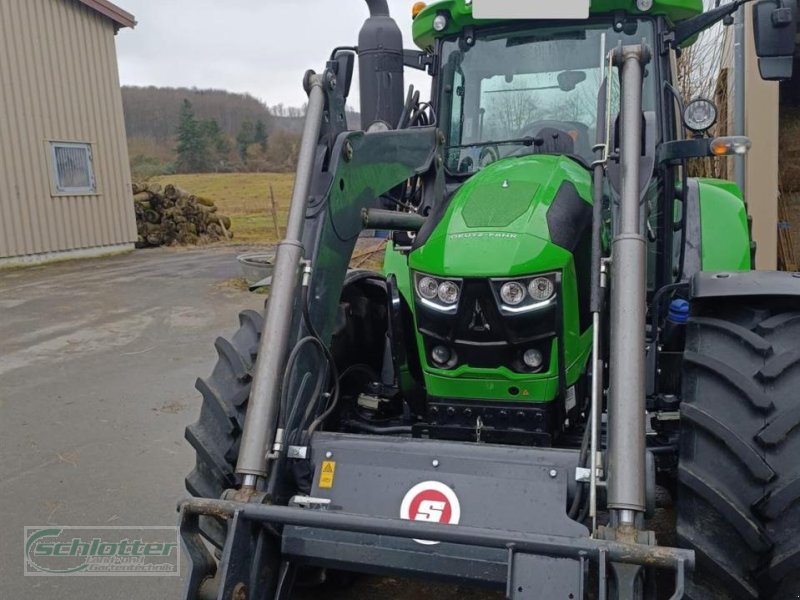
<point x="700" y="115"/>
<point x="428" y="287"/>
<point x="541" y="289"/>
<point x="448" y="292"/>
<point x="440" y="22"/>
<point x="512" y="293"/>
<point x="533" y="358"/>
<point x="441" y="355"/>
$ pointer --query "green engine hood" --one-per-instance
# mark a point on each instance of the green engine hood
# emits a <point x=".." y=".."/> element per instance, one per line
<point x="503" y="221"/>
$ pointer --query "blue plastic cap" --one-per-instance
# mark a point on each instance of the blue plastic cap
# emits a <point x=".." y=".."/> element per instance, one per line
<point x="679" y="311"/>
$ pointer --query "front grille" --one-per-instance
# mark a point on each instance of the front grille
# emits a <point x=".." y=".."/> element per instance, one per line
<point x="484" y="338"/>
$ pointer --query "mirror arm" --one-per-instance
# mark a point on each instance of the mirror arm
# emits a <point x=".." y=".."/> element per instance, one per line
<point x="687" y="29"/>
<point x="676" y="152"/>
<point x="416" y="59"/>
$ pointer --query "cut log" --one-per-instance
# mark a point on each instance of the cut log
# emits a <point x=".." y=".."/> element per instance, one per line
<point x="172" y="216"/>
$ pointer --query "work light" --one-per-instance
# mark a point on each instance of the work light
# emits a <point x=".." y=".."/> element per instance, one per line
<point x="700" y="115"/>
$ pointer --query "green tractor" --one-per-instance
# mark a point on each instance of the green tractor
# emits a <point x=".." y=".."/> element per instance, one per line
<point x="566" y="337"/>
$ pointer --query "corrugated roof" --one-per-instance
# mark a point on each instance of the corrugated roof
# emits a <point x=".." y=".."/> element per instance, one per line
<point x="120" y="17"/>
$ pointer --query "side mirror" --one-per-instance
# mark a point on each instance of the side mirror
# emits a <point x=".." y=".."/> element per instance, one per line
<point x="775" y="29"/>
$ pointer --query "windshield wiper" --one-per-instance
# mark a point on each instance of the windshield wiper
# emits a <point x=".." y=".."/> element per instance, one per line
<point x="524" y="141"/>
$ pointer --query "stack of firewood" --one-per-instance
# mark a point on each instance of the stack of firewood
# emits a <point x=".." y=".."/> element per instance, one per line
<point x="168" y="215"/>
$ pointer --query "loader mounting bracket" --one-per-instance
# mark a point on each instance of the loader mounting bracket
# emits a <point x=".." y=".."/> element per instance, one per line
<point x="513" y="532"/>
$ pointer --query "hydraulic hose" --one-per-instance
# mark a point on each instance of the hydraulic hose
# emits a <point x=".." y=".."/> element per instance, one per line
<point x="391" y="430"/>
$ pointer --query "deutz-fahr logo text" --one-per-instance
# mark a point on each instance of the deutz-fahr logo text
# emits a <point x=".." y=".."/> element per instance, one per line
<point x="483" y="234"/>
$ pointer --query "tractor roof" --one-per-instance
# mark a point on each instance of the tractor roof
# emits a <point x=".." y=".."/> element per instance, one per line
<point x="461" y="15"/>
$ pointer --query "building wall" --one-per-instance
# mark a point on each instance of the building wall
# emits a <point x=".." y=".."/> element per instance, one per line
<point x="761" y="164"/>
<point x="59" y="81"/>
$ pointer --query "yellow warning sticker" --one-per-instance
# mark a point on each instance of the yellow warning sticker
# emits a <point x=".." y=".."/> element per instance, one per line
<point x="326" y="474"/>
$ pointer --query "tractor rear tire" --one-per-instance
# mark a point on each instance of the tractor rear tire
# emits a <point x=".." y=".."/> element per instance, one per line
<point x="216" y="435"/>
<point x="739" y="470"/>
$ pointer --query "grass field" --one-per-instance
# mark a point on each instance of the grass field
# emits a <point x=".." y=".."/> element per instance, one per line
<point x="244" y="197"/>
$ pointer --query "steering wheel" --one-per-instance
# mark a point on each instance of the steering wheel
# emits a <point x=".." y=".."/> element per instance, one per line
<point x="488" y="155"/>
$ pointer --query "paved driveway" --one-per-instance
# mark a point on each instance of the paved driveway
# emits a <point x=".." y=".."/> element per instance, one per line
<point x="97" y="367"/>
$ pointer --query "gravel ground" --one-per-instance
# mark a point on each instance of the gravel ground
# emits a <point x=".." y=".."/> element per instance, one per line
<point x="98" y="361"/>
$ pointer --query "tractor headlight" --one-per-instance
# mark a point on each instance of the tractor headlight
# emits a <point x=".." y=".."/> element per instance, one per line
<point x="512" y="293"/>
<point x="524" y="294"/>
<point x="440" y="22"/>
<point x="541" y="289"/>
<point x="449" y="292"/>
<point x="428" y="288"/>
<point x="440" y="294"/>
<point x="700" y="115"/>
<point x="533" y="359"/>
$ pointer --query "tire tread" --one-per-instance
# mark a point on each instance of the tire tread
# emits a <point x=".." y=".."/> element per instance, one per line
<point x="740" y="408"/>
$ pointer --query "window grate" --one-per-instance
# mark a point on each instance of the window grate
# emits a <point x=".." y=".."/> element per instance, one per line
<point x="72" y="166"/>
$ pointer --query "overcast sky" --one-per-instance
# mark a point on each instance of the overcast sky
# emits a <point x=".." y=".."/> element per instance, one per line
<point x="258" y="46"/>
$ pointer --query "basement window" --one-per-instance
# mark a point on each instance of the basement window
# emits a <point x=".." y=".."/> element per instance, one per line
<point x="72" y="168"/>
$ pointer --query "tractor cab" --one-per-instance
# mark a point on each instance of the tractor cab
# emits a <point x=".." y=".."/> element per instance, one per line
<point x="531" y="89"/>
<point x="497" y="282"/>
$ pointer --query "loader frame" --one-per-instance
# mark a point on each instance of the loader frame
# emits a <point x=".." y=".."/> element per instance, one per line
<point x="340" y="175"/>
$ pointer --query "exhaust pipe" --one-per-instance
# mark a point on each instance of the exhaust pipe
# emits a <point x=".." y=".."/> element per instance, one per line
<point x="380" y="67"/>
<point x="378" y="8"/>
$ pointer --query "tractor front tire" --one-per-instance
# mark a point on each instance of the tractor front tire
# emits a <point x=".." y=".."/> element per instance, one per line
<point x="739" y="469"/>
<point x="216" y="435"/>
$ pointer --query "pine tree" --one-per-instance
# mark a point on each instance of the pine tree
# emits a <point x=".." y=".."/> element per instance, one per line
<point x="192" y="149"/>
<point x="260" y="135"/>
<point x="217" y="141"/>
<point x="244" y="138"/>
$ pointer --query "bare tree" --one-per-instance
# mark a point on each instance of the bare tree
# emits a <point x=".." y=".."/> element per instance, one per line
<point x="702" y="74"/>
<point x="509" y="112"/>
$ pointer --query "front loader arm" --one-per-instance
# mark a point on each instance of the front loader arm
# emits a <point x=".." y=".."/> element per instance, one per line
<point x="339" y="174"/>
<point x="364" y="166"/>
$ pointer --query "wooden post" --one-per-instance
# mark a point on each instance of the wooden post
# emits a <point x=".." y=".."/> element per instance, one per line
<point x="274" y="213"/>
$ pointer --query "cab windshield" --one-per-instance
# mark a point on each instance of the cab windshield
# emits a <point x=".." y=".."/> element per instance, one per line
<point x="527" y="91"/>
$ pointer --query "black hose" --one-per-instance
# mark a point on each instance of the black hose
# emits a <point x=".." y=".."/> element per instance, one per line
<point x="290" y="364"/>
<point x="331" y="363"/>
<point x="407" y="108"/>
<point x="576" y="501"/>
<point x="392" y="430"/>
<point x="419" y="115"/>
<point x="360" y="367"/>
<point x="584" y="513"/>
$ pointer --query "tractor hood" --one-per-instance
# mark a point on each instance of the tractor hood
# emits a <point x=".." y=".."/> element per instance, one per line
<point x="517" y="216"/>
